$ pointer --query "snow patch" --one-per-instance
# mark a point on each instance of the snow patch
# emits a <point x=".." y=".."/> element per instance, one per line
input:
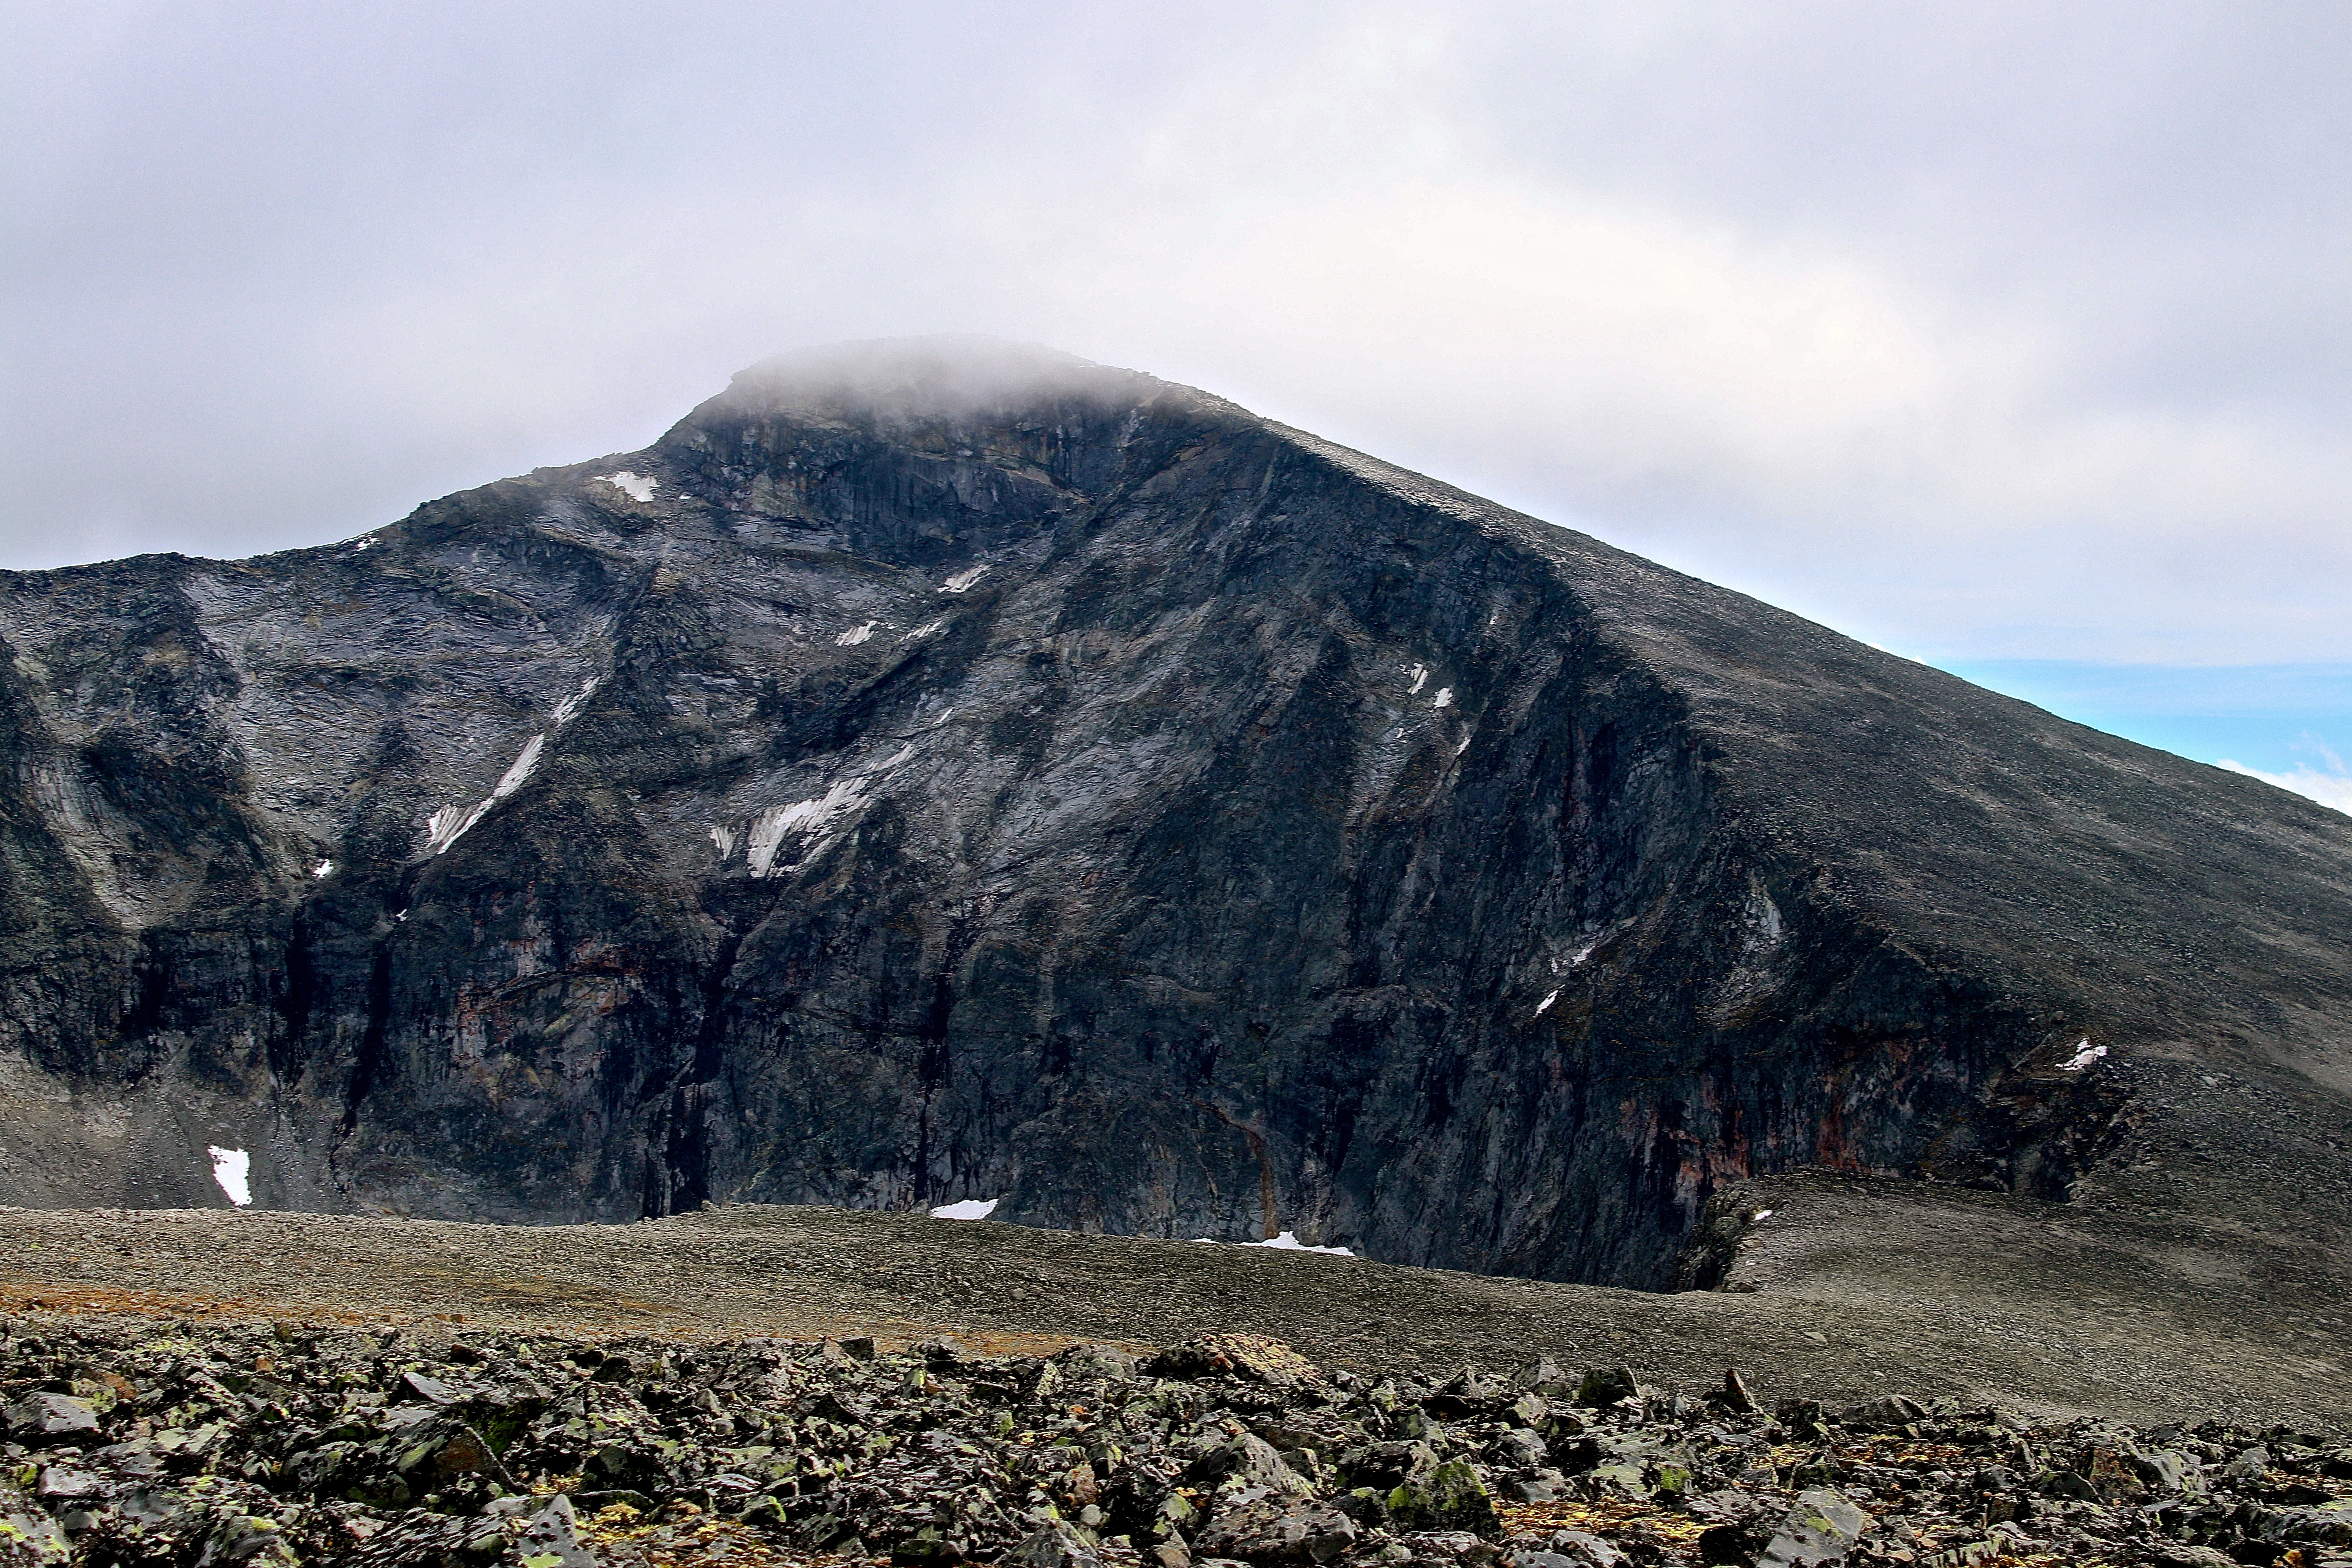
<point x="1420" y="673"/>
<point x="857" y="634"/>
<point x="1465" y="743"/>
<point x="1550" y="998"/>
<point x="2084" y="1055"/>
<point x="568" y="707"/>
<point x="519" y="772"/>
<point x="925" y="629"/>
<point x="230" y="1169"/>
<point x="323" y="868"/>
<point x="774" y="826"/>
<point x="1288" y="1242"/>
<point x="637" y="487"/>
<point x="970" y="1208"/>
<point x="1762" y="1215"/>
<point x="725" y="838"/>
<point x="451" y="822"/>
<point x="903" y="753"/>
<point x="962" y="580"/>
<point x="1445" y="697"/>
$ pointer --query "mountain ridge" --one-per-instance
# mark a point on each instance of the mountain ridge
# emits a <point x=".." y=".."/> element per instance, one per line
<point x="1190" y="907"/>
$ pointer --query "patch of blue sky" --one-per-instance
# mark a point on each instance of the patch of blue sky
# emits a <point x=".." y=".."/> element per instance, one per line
<point x="2290" y="723"/>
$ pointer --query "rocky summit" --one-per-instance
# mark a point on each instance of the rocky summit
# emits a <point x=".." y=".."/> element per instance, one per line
<point x="946" y="773"/>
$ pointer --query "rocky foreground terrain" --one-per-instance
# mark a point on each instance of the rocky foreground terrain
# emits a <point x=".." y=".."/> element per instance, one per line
<point x="152" y="1442"/>
<point x="759" y="1385"/>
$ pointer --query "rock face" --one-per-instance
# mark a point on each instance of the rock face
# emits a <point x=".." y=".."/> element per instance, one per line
<point x="943" y="770"/>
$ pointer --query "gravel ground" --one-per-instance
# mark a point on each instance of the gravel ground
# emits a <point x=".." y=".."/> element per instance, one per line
<point x="2056" y="1312"/>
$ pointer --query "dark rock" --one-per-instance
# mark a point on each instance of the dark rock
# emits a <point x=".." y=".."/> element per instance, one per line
<point x="1278" y="1529"/>
<point x="1605" y="1386"/>
<point x="51" y="1417"/>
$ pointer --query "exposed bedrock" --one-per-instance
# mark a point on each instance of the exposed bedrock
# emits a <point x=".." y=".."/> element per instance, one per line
<point x="938" y="772"/>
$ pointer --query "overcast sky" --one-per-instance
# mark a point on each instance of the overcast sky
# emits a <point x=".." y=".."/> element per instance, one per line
<point x="2008" y="336"/>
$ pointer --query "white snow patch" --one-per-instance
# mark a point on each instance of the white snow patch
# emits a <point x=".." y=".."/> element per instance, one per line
<point x="962" y="580"/>
<point x="1445" y="697"/>
<point x="1420" y="678"/>
<point x="771" y="828"/>
<point x="230" y="1169"/>
<point x="570" y="707"/>
<point x="362" y="544"/>
<point x="2084" y="1055"/>
<point x="323" y="868"/>
<point x="925" y="629"/>
<point x="857" y="634"/>
<point x="518" y="772"/>
<point x="904" y="752"/>
<point x="450" y="823"/>
<point x="942" y="718"/>
<point x="1550" y="998"/>
<point x="1288" y="1242"/>
<point x="1762" y="1215"/>
<point x="725" y="838"/>
<point x="637" y="487"/>
<point x="970" y="1208"/>
<point x="1465" y="743"/>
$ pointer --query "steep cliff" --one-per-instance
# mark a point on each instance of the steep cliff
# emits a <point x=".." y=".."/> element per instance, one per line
<point x="941" y="771"/>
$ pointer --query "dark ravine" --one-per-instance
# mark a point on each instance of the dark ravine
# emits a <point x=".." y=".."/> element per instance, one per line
<point x="941" y="771"/>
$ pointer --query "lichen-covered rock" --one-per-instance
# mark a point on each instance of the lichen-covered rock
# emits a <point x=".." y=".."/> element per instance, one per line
<point x="1446" y="1495"/>
<point x="1822" y="1528"/>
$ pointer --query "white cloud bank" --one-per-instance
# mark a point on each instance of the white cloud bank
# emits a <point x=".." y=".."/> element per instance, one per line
<point x="2329" y="789"/>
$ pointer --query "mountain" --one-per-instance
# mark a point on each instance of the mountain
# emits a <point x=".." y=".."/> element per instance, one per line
<point x="942" y="770"/>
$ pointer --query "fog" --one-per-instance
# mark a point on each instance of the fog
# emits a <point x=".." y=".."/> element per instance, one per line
<point x="1989" y="332"/>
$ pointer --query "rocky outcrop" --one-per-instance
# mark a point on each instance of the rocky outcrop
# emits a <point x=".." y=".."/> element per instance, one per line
<point x="940" y="772"/>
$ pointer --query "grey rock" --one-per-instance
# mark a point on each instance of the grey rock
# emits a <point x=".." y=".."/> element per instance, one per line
<point x="1055" y="1545"/>
<point x="1585" y="1548"/>
<point x="1278" y="1529"/>
<point x="554" y="1532"/>
<point x="1247" y="1461"/>
<point x="1822" y="1528"/>
<point x="52" y="1415"/>
<point x="2246" y="1465"/>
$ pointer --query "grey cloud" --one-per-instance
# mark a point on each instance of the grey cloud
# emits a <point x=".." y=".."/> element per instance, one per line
<point x="1991" y="329"/>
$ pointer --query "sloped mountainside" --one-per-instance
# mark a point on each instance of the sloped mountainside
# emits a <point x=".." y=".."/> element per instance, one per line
<point x="944" y="771"/>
